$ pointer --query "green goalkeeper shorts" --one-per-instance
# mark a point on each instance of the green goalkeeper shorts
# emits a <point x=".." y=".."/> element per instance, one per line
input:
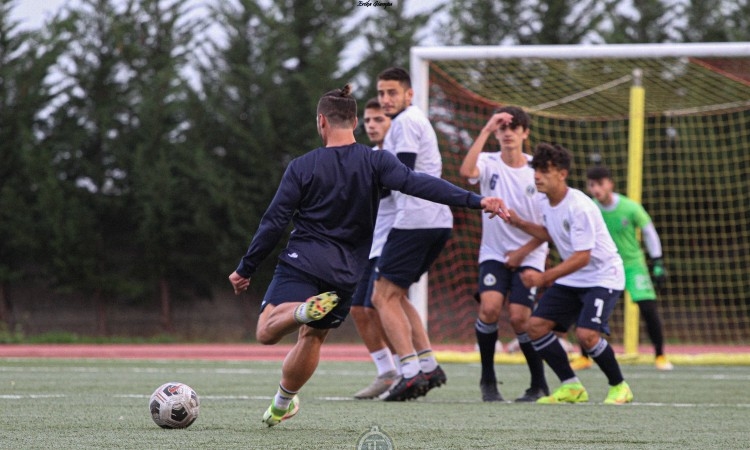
<point x="638" y="283"/>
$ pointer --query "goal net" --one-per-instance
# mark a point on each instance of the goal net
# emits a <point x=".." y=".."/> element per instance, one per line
<point x="694" y="170"/>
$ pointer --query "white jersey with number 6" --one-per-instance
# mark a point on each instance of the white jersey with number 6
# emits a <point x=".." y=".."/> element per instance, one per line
<point x="516" y="186"/>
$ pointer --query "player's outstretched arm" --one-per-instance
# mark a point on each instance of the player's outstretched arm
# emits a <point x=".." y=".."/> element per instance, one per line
<point x="493" y="205"/>
<point x="534" y="229"/>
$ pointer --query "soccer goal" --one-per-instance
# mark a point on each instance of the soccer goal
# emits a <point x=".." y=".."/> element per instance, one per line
<point x="672" y="121"/>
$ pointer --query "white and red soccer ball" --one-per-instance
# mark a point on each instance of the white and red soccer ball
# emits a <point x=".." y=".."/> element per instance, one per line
<point x="174" y="405"/>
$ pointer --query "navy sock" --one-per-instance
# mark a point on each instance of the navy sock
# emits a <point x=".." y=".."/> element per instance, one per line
<point x="486" y="339"/>
<point x="534" y="361"/>
<point x="604" y="356"/>
<point x="549" y="349"/>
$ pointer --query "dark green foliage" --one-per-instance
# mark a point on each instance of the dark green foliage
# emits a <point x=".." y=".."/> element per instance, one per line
<point x="24" y="60"/>
<point x="138" y="150"/>
<point x="389" y="35"/>
<point x="506" y="22"/>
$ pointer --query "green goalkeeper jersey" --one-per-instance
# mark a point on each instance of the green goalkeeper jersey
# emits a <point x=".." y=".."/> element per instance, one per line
<point x="622" y="221"/>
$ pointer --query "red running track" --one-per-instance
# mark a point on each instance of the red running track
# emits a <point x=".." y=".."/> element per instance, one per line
<point x="240" y="352"/>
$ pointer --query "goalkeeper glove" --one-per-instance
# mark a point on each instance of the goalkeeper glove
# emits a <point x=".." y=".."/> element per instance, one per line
<point x="658" y="273"/>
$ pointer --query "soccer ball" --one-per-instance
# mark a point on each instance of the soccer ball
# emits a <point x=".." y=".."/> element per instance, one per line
<point x="174" y="405"/>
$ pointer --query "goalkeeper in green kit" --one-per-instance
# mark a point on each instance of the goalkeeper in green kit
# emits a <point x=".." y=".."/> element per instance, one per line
<point x="623" y="216"/>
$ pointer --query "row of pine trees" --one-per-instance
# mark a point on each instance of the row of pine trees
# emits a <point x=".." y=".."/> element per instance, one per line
<point x="141" y="140"/>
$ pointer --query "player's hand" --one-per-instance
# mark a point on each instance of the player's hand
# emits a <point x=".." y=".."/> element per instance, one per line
<point x="658" y="273"/>
<point x="493" y="206"/>
<point x="239" y="283"/>
<point x="532" y="278"/>
<point x="497" y="120"/>
<point x="514" y="259"/>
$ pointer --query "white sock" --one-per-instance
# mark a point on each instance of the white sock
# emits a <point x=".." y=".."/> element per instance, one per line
<point x="410" y="365"/>
<point x="300" y="314"/>
<point x="383" y="360"/>
<point x="282" y="398"/>
<point x="397" y="363"/>
<point x="427" y="360"/>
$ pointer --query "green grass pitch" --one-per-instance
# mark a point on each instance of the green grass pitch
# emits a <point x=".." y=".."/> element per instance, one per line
<point x="55" y="403"/>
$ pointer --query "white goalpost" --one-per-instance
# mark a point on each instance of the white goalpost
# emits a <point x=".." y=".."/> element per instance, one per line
<point x="598" y="84"/>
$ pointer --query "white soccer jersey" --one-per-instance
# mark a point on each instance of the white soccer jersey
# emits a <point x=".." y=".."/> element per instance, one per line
<point x="411" y="132"/>
<point x="515" y="185"/>
<point x="383" y="224"/>
<point x="576" y="224"/>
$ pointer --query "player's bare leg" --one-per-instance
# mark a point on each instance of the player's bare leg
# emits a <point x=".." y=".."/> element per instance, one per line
<point x="275" y="322"/>
<point x="367" y="321"/>
<point x="421" y="341"/>
<point x="299" y="365"/>
<point x="302" y="360"/>
<point x="387" y="299"/>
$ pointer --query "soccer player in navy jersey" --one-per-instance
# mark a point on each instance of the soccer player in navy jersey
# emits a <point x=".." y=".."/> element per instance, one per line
<point x="331" y="194"/>
<point x="583" y="289"/>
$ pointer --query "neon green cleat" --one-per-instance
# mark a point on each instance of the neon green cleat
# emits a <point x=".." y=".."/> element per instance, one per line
<point x="274" y="416"/>
<point x="320" y="305"/>
<point x="567" y="393"/>
<point x="619" y="395"/>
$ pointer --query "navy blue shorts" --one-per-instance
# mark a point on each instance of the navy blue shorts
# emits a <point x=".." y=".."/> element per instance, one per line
<point x="408" y="254"/>
<point x="363" y="294"/>
<point x="588" y="307"/>
<point x="293" y="285"/>
<point x="496" y="276"/>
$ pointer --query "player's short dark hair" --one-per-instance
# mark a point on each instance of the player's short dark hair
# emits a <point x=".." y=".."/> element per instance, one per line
<point x="546" y="155"/>
<point x="339" y="107"/>
<point x="598" y="173"/>
<point x="396" y="74"/>
<point x="373" y="103"/>
<point x="520" y="117"/>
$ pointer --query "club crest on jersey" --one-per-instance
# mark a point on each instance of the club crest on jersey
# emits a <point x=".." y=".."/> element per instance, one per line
<point x="566" y="225"/>
<point x="530" y="190"/>
<point x="490" y="280"/>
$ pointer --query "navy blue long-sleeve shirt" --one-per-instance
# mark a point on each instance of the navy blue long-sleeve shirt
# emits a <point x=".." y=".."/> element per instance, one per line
<point x="332" y="195"/>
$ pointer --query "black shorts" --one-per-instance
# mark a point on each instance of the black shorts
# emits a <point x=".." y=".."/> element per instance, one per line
<point x="408" y="254"/>
<point x="496" y="276"/>
<point x="363" y="294"/>
<point x="588" y="307"/>
<point x="293" y="285"/>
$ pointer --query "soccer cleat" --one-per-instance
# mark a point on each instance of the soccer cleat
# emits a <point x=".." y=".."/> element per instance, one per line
<point x="320" y="305"/>
<point x="406" y="389"/>
<point x="436" y="378"/>
<point x="274" y="416"/>
<point x="532" y="395"/>
<point x="581" y="362"/>
<point x="380" y="384"/>
<point x="662" y="363"/>
<point x="567" y="393"/>
<point x="490" y="392"/>
<point x="619" y="394"/>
